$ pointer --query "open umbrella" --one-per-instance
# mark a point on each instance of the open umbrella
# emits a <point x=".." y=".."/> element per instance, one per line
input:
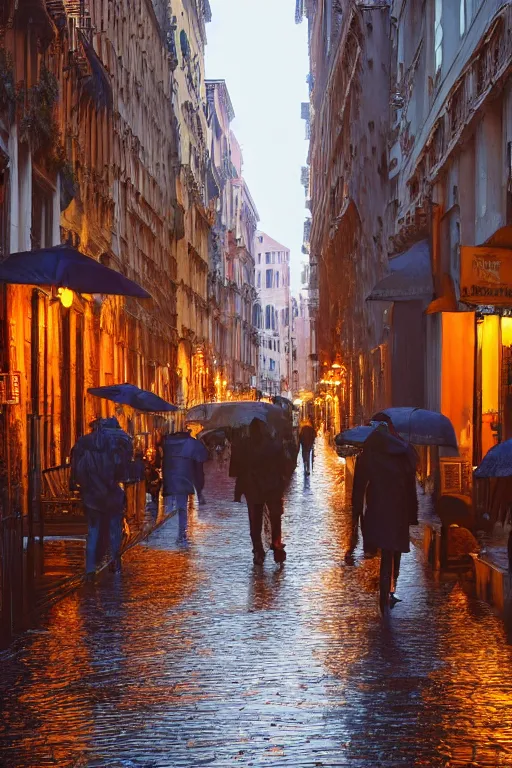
<point x="356" y="436"/>
<point x="65" y="267"/>
<point x="421" y="427"/>
<point x="497" y="462"/>
<point x="237" y="414"/>
<point x="129" y="394"/>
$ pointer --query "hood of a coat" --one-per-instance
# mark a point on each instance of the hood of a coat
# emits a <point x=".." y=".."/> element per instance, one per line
<point x="382" y="441"/>
<point x="183" y="445"/>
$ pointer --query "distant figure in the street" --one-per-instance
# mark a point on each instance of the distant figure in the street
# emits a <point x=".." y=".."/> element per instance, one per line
<point x="100" y="461"/>
<point x="259" y="464"/>
<point x="385" y="473"/>
<point x="153" y="481"/>
<point x="307" y="436"/>
<point x="183" y="475"/>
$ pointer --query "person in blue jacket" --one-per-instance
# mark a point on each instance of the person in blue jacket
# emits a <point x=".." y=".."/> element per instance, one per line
<point x="183" y="459"/>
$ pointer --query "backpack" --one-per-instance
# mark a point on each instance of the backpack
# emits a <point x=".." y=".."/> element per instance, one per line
<point x="101" y="459"/>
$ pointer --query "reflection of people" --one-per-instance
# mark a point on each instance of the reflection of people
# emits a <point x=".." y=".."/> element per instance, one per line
<point x="100" y="461"/>
<point x="307" y="437"/>
<point x="183" y="458"/>
<point x="385" y="473"/>
<point x="259" y="464"/>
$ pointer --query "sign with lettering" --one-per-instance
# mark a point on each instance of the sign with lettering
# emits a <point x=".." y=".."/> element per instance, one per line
<point x="486" y="275"/>
<point x="10" y="386"/>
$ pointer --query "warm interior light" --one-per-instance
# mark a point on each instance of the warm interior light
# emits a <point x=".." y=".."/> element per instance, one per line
<point x="66" y="297"/>
<point x="336" y="365"/>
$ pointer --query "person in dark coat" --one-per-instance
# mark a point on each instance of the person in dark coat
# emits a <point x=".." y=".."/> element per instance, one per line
<point x="385" y="474"/>
<point x="183" y="458"/>
<point x="100" y="461"/>
<point x="307" y="436"/>
<point x="259" y="464"/>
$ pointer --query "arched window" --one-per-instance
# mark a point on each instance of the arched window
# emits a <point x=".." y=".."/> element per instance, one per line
<point x="256" y="316"/>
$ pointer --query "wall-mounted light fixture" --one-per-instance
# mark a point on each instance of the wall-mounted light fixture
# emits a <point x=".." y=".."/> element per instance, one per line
<point x="65" y="296"/>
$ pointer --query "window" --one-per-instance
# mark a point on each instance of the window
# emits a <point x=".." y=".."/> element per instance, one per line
<point x="259" y="279"/>
<point x="465" y="15"/>
<point x="268" y="316"/>
<point x="438" y="34"/>
<point x="277" y="279"/>
<point x="278" y="346"/>
<point x="42" y="213"/>
<point x="269" y="278"/>
<point x="259" y="258"/>
<point x="260" y="238"/>
<point x="267" y="257"/>
<point x="272" y="364"/>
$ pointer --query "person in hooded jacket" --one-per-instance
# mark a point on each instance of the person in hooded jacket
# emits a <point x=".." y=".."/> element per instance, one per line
<point x="100" y="461"/>
<point x="259" y="464"/>
<point x="385" y="474"/>
<point x="183" y="459"/>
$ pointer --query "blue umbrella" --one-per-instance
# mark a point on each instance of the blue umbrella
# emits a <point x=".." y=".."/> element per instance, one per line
<point x="65" y="267"/>
<point x="421" y="427"/>
<point x="497" y="462"/>
<point x="129" y="394"/>
<point x="355" y="436"/>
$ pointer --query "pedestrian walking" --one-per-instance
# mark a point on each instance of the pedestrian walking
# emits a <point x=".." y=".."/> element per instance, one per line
<point x="258" y="462"/>
<point x="153" y="482"/>
<point x="100" y="461"/>
<point x="307" y="436"/>
<point x="183" y="475"/>
<point x="385" y="474"/>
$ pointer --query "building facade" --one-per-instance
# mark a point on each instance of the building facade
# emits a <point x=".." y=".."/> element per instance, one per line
<point x="303" y="380"/>
<point x="231" y="292"/>
<point x="451" y="164"/>
<point x="273" y="316"/>
<point x="88" y="147"/>
<point x="196" y="196"/>
<point x="410" y="188"/>
<point x="347" y="121"/>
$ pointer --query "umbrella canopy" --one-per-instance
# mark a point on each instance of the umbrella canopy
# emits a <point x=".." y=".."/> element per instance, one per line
<point x="356" y="436"/>
<point x="65" y="267"/>
<point x="129" y="394"/>
<point x="236" y="414"/>
<point x="497" y="462"/>
<point x="422" y="427"/>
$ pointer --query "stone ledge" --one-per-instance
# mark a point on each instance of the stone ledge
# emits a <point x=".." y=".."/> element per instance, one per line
<point x="493" y="582"/>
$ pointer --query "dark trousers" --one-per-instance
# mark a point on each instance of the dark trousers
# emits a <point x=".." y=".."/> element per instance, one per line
<point x="95" y="547"/>
<point x="275" y="510"/>
<point x="389" y="570"/>
<point x="306" y="456"/>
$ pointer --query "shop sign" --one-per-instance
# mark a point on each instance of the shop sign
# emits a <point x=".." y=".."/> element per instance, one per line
<point x="10" y="389"/>
<point x="485" y="275"/>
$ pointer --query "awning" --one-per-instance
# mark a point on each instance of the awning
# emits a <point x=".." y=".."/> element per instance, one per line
<point x="447" y="301"/>
<point x="410" y="278"/>
<point x="64" y="267"/>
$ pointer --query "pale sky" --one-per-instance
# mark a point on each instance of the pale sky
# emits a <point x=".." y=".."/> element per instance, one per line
<point x="256" y="47"/>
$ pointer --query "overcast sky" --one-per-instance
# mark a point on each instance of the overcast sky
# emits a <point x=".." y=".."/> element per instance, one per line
<point x="262" y="54"/>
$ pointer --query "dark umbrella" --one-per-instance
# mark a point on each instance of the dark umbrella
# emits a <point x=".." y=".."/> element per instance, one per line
<point x="129" y="394"/>
<point x="421" y="427"/>
<point x="497" y="462"/>
<point x="356" y="436"/>
<point x="65" y="267"/>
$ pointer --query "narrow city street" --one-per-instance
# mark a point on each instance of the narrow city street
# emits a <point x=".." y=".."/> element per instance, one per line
<point x="195" y="657"/>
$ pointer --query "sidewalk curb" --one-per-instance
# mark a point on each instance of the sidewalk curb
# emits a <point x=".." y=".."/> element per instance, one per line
<point x="73" y="583"/>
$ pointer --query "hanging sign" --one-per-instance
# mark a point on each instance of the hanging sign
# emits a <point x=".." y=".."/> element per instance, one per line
<point x="10" y="388"/>
<point x="485" y="275"/>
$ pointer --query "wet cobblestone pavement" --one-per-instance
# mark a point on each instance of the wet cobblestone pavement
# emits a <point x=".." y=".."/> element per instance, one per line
<point x="193" y="658"/>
